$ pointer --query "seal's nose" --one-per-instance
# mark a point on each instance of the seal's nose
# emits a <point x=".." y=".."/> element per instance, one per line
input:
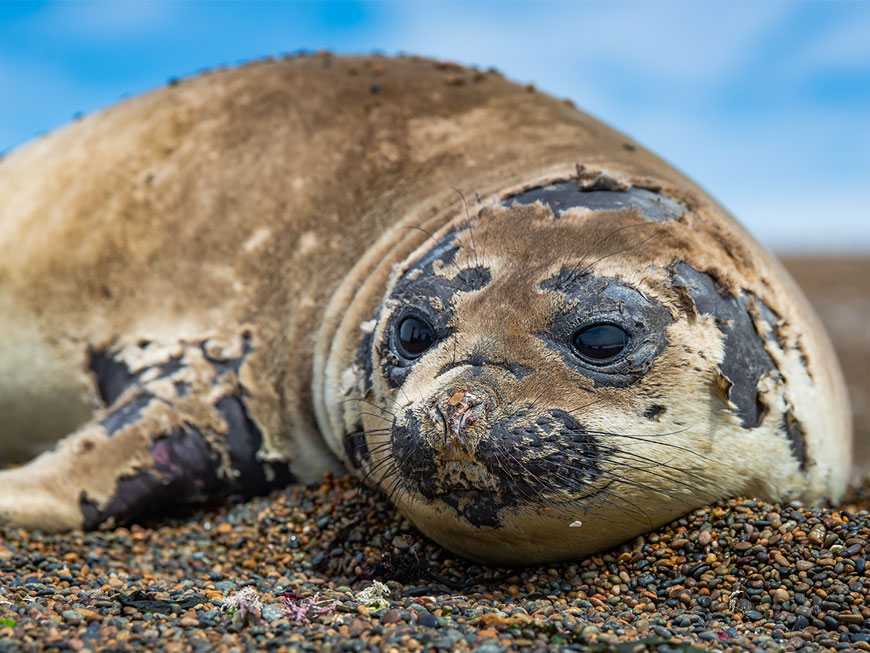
<point x="460" y="413"/>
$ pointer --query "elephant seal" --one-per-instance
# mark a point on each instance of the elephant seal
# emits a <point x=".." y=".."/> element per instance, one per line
<point x="536" y="337"/>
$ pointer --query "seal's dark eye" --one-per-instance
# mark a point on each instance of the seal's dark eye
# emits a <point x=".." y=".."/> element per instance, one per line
<point x="413" y="336"/>
<point x="599" y="343"/>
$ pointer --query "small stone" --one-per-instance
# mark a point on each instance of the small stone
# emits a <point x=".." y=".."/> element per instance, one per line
<point x="816" y="536"/>
<point x="358" y="626"/>
<point x="391" y="617"/>
<point x="753" y="615"/>
<point x="800" y="623"/>
<point x="851" y="618"/>
<point x="780" y="595"/>
<point x="272" y="612"/>
<point x="428" y="620"/>
<point x="72" y="615"/>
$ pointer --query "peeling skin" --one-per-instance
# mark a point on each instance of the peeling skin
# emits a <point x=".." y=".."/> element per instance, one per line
<point x="794" y="430"/>
<point x="746" y="359"/>
<point x="571" y="195"/>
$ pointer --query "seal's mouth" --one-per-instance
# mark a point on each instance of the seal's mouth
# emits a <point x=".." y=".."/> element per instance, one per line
<point x="470" y="494"/>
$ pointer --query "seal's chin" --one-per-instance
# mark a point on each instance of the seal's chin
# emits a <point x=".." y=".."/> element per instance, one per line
<point x="510" y="530"/>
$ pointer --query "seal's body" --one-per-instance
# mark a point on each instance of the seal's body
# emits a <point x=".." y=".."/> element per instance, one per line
<point x="538" y="338"/>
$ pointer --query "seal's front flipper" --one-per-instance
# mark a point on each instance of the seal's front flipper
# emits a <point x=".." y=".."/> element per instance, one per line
<point x="176" y="430"/>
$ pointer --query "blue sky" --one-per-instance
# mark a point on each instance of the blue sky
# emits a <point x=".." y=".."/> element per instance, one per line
<point x="766" y="104"/>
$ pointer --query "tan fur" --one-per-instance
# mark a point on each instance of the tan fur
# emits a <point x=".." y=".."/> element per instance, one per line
<point x="282" y="200"/>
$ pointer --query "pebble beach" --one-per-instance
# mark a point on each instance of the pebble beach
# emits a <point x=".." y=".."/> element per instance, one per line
<point x="334" y="568"/>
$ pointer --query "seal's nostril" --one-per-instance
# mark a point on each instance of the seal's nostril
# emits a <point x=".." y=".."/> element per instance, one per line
<point x="446" y="429"/>
<point x="458" y="409"/>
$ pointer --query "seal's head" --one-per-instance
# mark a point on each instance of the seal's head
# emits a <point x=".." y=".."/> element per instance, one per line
<point x="568" y="369"/>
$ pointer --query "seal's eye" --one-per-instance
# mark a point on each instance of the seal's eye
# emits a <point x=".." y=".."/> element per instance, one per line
<point x="599" y="343"/>
<point x="413" y="336"/>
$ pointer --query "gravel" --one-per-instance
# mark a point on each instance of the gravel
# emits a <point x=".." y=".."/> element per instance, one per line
<point x="299" y="570"/>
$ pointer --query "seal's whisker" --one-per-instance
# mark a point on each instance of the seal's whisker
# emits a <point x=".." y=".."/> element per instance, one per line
<point x="371" y="469"/>
<point x="437" y="244"/>
<point x="640" y="435"/>
<point x="389" y="473"/>
<point x="606" y="496"/>
<point x="485" y="238"/>
<point x="386" y="430"/>
<point x="380" y="448"/>
<point x="652" y="464"/>
<point x="597" y="243"/>
<point x="470" y="225"/>
<point x="541" y="394"/>
<point x="652" y="461"/>
<point x="376" y="416"/>
<point x="380" y="451"/>
<point x="644" y="486"/>
<point x="586" y="405"/>
<point x="703" y="481"/>
<point x="370" y="403"/>
<point x="619" y="251"/>
<point x="395" y="488"/>
<point x="622" y="455"/>
<point x="527" y="472"/>
<point x="646" y="438"/>
<point x="379" y="466"/>
<point x="598" y="495"/>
